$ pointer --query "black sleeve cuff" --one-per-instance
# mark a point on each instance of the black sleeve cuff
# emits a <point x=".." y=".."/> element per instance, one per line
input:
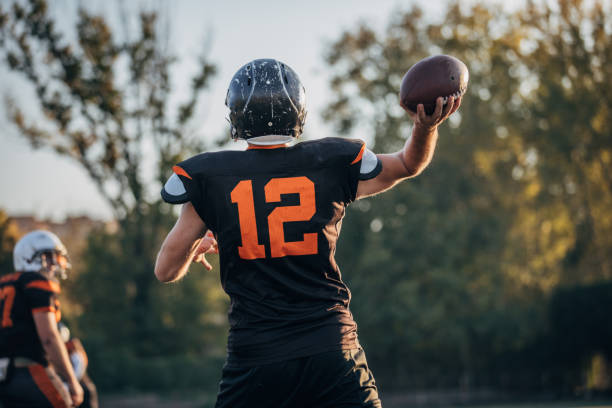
<point x="174" y="199"/>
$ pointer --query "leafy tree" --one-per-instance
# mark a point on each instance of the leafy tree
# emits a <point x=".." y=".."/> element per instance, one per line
<point x="106" y="103"/>
<point x="105" y="100"/>
<point x="459" y="262"/>
<point x="8" y="239"/>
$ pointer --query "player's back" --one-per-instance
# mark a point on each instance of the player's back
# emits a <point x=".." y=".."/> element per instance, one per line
<point x="276" y="214"/>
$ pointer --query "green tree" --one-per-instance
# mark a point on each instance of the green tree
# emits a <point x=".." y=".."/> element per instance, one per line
<point x="8" y="239"/>
<point x="506" y="212"/>
<point x="105" y="102"/>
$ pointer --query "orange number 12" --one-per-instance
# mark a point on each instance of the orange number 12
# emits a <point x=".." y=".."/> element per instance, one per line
<point x="242" y="195"/>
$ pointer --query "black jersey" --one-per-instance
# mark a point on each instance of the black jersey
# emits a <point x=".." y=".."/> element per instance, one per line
<point x="21" y="295"/>
<point x="276" y="214"/>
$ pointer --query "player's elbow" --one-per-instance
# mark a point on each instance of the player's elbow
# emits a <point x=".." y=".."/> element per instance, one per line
<point x="164" y="272"/>
<point x="413" y="169"/>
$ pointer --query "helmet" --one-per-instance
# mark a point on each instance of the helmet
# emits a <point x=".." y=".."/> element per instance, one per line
<point x="267" y="103"/>
<point x="41" y="251"/>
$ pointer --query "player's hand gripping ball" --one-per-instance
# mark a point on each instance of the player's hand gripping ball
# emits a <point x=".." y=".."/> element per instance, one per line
<point x="430" y="78"/>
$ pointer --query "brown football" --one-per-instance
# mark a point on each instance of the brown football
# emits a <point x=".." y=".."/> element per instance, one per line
<point x="425" y="81"/>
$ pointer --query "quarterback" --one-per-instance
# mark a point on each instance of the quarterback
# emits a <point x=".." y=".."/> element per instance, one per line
<point x="273" y="213"/>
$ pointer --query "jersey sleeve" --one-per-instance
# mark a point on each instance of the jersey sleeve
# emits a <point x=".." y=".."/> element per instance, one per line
<point x="174" y="191"/>
<point x="370" y="166"/>
<point x="364" y="165"/>
<point x="188" y="183"/>
<point x="41" y="294"/>
<point x="183" y="185"/>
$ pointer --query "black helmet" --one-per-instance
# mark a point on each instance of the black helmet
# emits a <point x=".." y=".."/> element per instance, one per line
<point x="265" y="98"/>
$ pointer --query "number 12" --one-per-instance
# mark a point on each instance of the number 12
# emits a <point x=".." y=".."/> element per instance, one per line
<point x="242" y="195"/>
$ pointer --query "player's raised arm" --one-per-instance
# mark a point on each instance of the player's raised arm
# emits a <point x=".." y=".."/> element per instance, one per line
<point x="417" y="152"/>
<point x="185" y="243"/>
<point x="431" y="91"/>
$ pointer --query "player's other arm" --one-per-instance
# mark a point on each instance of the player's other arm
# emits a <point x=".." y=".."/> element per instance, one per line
<point x="417" y="152"/>
<point x="186" y="242"/>
<point x="55" y="349"/>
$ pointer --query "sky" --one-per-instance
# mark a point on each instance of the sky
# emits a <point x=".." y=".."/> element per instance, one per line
<point x="41" y="183"/>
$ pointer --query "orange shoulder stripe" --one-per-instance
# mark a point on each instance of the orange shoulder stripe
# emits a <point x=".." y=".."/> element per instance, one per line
<point x="44" y="285"/>
<point x="10" y="277"/>
<point x="44" y="309"/>
<point x="181" y="172"/>
<point x="360" y="155"/>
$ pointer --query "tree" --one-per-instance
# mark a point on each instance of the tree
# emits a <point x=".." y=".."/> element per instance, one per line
<point x="8" y="239"/>
<point x="105" y="101"/>
<point x="506" y="212"/>
<point x="95" y="115"/>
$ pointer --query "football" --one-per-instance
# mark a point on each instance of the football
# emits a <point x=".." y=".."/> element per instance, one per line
<point x="425" y="81"/>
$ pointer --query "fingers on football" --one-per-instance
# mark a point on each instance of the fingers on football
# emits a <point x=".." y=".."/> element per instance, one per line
<point x="456" y="105"/>
<point x="439" y="108"/>
<point x="448" y="109"/>
<point x="421" y="112"/>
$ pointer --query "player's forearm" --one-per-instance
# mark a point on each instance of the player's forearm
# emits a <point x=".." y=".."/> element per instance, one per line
<point x="180" y="246"/>
<point x="419" y="149"/>
<point x="58" y="357"/>
<point x="173" y="260"/>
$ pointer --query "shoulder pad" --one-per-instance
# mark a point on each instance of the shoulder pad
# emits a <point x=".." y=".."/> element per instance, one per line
<point x="335" y="149"/>
<point x="174" y="191"/>
<point x="35" y="280"/>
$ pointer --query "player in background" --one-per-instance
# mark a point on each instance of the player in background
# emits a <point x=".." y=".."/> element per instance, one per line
<point x="33" y="358"/>
<point x="80" y="362"/>
<point x="275" y="211"/>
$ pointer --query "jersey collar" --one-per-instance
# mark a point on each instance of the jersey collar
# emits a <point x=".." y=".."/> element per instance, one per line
<point x="278" y="146"/>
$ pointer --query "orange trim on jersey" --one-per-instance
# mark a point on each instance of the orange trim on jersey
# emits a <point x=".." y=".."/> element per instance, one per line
<point x="278" y="146"/>
<point x="181" y="172"/>
<point x="10" y="277"/>
<point x="360" y="155"/>
<point x="46" y="386"/>
<point x="44" y="285"/>
<point x="44" y="309"/>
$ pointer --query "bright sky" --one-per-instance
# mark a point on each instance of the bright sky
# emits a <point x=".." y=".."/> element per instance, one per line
<point x="44" y="184"/>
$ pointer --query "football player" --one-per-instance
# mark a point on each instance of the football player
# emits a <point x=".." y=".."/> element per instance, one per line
<point x="32" y="353"/>
<point x="275" y="211"/>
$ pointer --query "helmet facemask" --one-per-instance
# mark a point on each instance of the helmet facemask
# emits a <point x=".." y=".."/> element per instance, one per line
<point x="54" y="263"/>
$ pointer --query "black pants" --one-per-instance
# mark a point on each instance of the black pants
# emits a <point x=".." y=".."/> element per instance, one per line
<point x="335" y="379"/>
<point x="34" y="386"/>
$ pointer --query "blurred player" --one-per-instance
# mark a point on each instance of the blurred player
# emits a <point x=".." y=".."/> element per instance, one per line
<point x="32" y="353"/>
<point x="79" y="360"/>
<point x="276" y="212"/>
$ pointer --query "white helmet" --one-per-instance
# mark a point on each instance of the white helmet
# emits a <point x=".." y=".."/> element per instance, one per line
<point x="28" y="255"/>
